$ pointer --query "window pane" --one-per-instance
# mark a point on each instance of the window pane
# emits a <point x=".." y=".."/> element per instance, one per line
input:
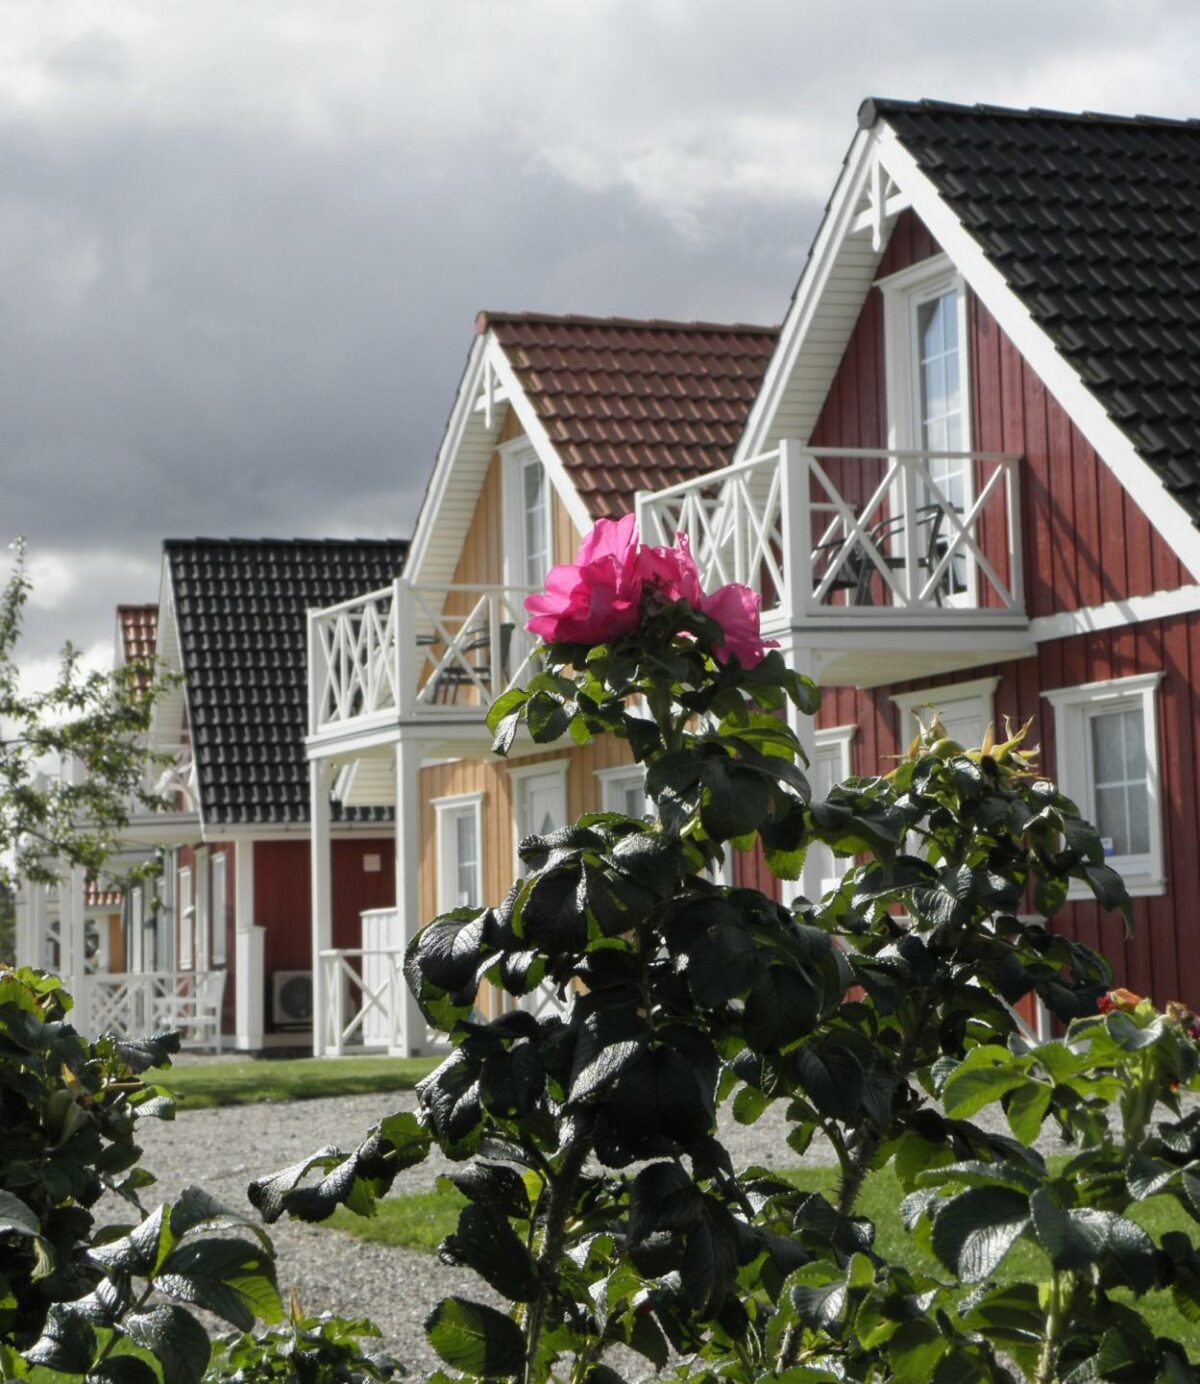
<point x="1108" y="751"/>
<point x="466" y="858"/>
<point x="1119" y="777"/>
<point x="1111" y="820"/>
<point x="537" y="529"/>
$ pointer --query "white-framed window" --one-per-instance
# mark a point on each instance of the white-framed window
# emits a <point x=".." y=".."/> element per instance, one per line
<point x="1107" y="761"/>
<point x="831" y="765"/>
<point x="220" y="914"/>
<point x="460" y="851"/>
<point x="539" y="801"/>
<point x="529" y="515"/>
<point x="966" y="710"/>
<point x="928" y="399"/>
<point x="187" y="921"/>
<point x="623" y="789"/>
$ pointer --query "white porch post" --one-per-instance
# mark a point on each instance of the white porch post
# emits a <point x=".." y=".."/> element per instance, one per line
<point x="24" y="940"/>
<point x="320" y="779"/>
<point x="249" y="952"/>
<point x="796" y="527"/>
<point x="73" y="933"/>
<point x="411" y="1029"/>
<point x="805" y="661"/>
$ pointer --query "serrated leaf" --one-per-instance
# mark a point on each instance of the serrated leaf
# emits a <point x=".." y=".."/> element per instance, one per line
<point x="1026" y="1108"/>
<point x="175" y="1338"/>
<point x="230" y="1277"/>
<point x="476" y="1339"/>
<point x="67" y="1342"/>
<point x="486" y="1242"/>
<point x="973" y="1231"/>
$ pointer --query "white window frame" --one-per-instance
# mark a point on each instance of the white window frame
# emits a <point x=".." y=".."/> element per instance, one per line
<point x="907" y="702"/>
<point x="834" y="741"/>
<point x="1074" y="708"/>
<point x="903" y="293"/>
<point x="515" y="458"/>
<point x="519" y="776"/>
<point x="616" y="781"/>
<point x="218" y="893"/>
<point x="187" y="920"/>
<point x="448" y="811"/>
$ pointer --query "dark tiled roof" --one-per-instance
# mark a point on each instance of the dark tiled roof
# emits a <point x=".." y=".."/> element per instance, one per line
<point x="632" y="405"/>
<point x="240" y="606"/>
<point x="1094" y="221"/>
<point x="139" y="634"/>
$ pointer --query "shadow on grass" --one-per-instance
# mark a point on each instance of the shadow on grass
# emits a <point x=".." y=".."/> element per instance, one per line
<point x="253" y="1081"/>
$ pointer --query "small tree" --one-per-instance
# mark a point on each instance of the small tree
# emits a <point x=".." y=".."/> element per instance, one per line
<point x="98" y="721"/>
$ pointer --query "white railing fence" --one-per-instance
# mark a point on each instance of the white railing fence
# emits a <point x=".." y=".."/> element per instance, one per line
<point x="854" y="532"/>
<point x="134" y="1003"/>
<point x="416" y="650"/>
<point x="363" y="998"/>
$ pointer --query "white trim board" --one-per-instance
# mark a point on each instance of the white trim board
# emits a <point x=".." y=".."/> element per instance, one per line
<point x="1113" y="447"/>
<point x="1159" y="605"/>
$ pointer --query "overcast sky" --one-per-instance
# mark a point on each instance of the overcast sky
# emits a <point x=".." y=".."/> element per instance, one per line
<point x="242" y="244"/>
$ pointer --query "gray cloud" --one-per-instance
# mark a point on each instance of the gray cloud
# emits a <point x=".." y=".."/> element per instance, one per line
<point x="241" y="248"/>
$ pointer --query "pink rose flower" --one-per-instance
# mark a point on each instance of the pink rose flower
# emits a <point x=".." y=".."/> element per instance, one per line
<point x="672" y="572"/>
<point x="597" y="597"/>
<point x="736" y="609"/>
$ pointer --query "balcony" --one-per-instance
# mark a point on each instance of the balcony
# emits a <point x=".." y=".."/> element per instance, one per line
<point x="422" y="655"/>
<point x="855" y="550"/>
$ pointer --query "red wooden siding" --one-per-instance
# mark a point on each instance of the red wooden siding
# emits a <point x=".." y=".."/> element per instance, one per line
<point x="283" y="895"/>
<point x="1163" y="958"/>
<point x="1086" y="541"/>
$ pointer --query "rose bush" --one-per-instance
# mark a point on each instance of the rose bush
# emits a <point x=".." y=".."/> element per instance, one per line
<point x="601" y="1203"/>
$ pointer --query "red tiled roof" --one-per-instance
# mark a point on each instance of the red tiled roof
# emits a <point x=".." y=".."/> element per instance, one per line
<point x="139" y="635"/>
<point x="635" y="405"/>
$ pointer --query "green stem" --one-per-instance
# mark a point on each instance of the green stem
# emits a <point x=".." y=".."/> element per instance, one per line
<point x="1045" y="1369"/>
<point x="562" y="1199"/>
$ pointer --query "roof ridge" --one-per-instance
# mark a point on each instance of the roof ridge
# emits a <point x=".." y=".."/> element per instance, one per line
<point x="875" y="106"/>
<point x="486" y="318"/>
<point x="202" y="541"/>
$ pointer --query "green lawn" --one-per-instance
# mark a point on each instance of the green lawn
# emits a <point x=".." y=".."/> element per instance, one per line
<point x="422" y="1221"/>
<point x="201" y="1085"/>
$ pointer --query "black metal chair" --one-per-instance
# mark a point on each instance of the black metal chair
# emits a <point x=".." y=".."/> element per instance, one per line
<point x="858" y="570"/>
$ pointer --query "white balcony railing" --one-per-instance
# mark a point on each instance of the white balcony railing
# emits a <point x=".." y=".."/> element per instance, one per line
<point x="412" y="651"/>
<point x="855" y="532"/>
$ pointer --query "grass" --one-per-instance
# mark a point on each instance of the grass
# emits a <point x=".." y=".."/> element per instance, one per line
<point x="421" y="1221"/>
<point x="202" y="1085"/>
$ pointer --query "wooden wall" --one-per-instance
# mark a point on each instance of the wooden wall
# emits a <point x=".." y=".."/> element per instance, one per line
<point x="1086" y="541"/>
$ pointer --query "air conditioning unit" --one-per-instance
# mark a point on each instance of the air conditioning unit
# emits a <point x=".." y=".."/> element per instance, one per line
<point x="291" y="999"/>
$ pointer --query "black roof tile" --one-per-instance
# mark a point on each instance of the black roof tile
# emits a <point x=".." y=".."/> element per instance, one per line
<point x="1094" y="221"/>
<point x="240" y="606"/>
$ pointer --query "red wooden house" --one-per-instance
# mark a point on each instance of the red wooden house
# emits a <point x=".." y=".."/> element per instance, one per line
<point x="972" y="475"/>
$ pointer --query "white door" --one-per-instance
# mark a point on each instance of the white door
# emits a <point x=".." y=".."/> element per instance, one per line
<point x="541" y="809"/>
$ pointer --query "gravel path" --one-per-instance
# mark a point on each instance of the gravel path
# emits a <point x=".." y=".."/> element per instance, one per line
<point x="223" y="1149"/>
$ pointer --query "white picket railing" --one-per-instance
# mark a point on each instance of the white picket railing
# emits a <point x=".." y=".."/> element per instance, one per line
<point x="134" y="1003"/>
<point x="855" y="532"/>
<point x="416" y="651"/>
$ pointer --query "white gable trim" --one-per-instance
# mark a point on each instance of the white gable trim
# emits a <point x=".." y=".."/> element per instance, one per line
<point x="536" y="432"/>
<point x="1060" y="377"/>
<point x="487" y="359"/>
<point x="170" y="711"/>
<point x="838" y="223"/>
<point x="460" y="416"/>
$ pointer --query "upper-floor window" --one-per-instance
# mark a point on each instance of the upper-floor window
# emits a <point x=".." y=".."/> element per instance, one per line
<point x="1106" y="739"/>
<point x="529" y="516"/>
<point x="928" y="373"/>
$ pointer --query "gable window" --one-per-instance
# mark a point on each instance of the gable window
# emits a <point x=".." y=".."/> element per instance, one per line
<point x="529" y="516"/>
<point x="925" y="330"/>
<point x="460" y="851"/>
<point x="1107" y="761"/>
<point x="964" y="708"/>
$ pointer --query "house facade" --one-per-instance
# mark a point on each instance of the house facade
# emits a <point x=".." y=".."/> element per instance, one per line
<point x="967" y="480"/>
<point x="222" y="934"/>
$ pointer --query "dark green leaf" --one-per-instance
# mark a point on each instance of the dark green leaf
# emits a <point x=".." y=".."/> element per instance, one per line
<point x="493" y="1185"/>
<point x="973" y="1231"/>
<point x="487" y="1243"/>
<point x="175" y="1338"/>
<point x="67" y="1342"/>
<point x="230" y="1277"/>
<point x="783" y="1005"/>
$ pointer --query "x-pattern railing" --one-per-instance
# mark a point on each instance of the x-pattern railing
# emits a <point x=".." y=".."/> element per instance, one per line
<point x="177" y="780"/>
<point x="364" y="994"/>
<point x="355" y="658"/>
<point x="822" y="530"/>
<point x="474" y="643"/>
<point x="135" y="1002"/>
